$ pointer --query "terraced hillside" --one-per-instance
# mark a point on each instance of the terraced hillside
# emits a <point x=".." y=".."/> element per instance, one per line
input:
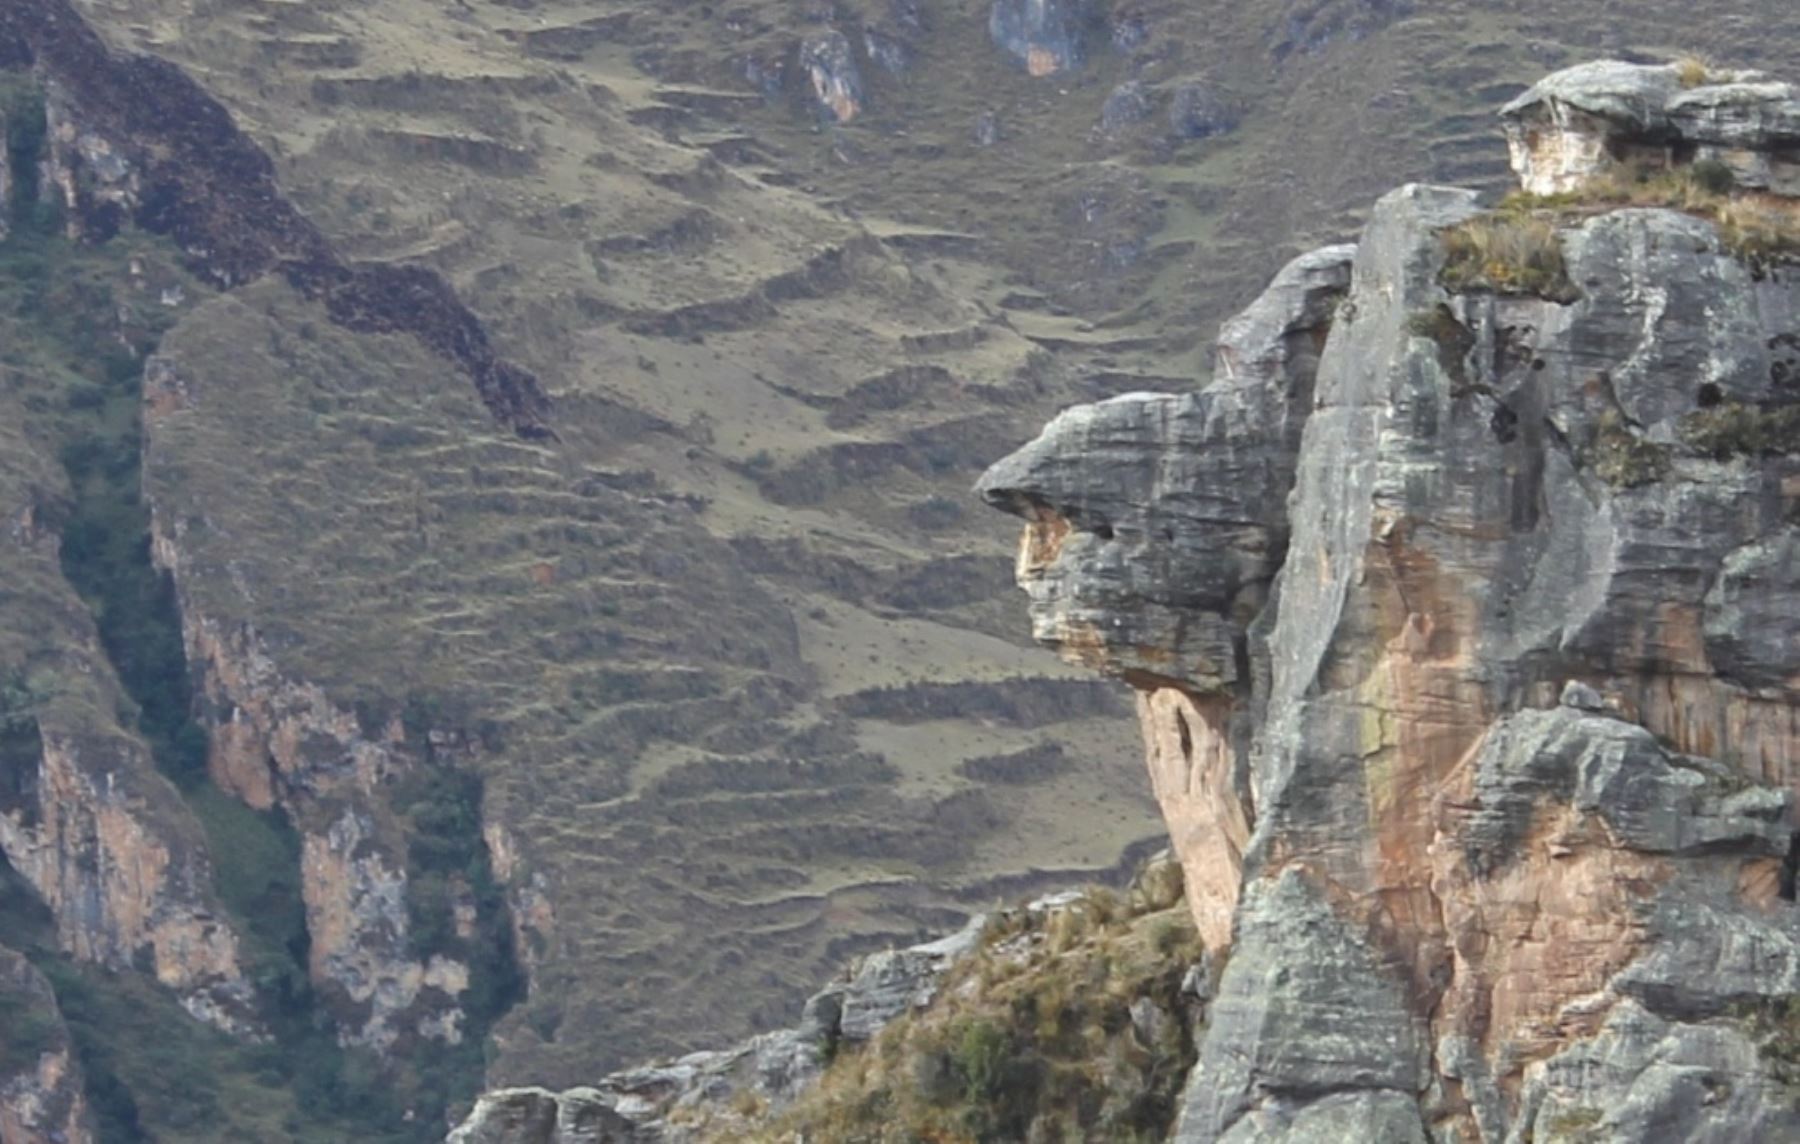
<point x="717" y="657"/>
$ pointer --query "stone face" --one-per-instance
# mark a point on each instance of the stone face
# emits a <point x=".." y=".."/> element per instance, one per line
<point x="41" y="1096"/>
<point x="1481" y="760"/>
<point x="1156" y="521"/>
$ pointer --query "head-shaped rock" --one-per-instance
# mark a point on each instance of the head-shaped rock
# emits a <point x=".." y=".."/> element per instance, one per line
<point x="1587" y="120"/>
<point x="1154" y="523"/>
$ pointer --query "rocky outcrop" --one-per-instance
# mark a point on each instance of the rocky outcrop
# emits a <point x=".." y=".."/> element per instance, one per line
<point x="41" y="1096"/>
<point x="108" y="846"/>
<point x="279" y="743"/>
<point x="1046" y="36"/>
<point x="1577" y="123"/>
<point x="837" y="84"/>
<point x="709" y="1095"/>
<point x="90" y="824"/>
<point x="1480" y="747"/>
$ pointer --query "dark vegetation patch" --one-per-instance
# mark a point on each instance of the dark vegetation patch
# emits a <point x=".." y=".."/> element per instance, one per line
<point x="1622" y="458"/>
<point x="1021" y="702"/>
<point x="1032" y="765"/>
<point x="1729" y="429"/>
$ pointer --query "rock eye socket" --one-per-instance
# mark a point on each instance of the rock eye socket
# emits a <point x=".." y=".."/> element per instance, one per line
<point x="1709" y="396"/>
<point x="1103" y="531"/>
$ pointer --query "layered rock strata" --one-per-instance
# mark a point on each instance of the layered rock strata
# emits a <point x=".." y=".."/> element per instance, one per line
<point x="1479" y="746"/>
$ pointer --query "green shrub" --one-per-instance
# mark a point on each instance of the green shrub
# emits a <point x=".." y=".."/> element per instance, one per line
<point x="1713" y="177"/>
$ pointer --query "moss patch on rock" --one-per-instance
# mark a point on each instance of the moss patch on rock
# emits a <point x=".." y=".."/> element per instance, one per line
<point x="1733" y="429"/>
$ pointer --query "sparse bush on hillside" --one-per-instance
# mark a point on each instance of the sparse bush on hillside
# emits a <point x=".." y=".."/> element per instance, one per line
<point x="1066" y="1024"/>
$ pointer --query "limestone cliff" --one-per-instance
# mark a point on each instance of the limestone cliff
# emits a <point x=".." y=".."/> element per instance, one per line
<point x="41" y="1096"/>
<point x="1462" y="612"/>
<point x="86" y="819"/>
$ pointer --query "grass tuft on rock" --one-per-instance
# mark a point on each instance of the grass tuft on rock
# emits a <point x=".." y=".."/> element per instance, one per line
<point x="1513" y="252"/>
<point x="1759" y="228"/>
<point x="1733" y="429"/>
<point x="1693" y="71"/>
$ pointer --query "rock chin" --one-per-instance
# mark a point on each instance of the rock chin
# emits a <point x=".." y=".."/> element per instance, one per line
<point x="1478" y="749"/>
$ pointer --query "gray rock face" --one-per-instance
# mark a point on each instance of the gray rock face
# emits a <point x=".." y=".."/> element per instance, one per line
<point x="1646" y="1078"/>
<point x="1156" y="521"/>
<point x="1046" y="36"/>
<point x="42" y="1100"/>
<point x="1311" y="1011"/>
<point x="1196" y="111"/>
<point x="1127" y="104"/>
<point x="1464" y="627"/>
<point x="697" y="1097"/>
<point x="1577" y="122"/>
<point x="837" y="83"/>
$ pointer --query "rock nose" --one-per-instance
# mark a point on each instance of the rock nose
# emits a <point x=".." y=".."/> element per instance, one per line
<point x="1012" y="484"/>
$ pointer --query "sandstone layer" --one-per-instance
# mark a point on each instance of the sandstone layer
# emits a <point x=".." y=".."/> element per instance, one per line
<point x="1479" y="745"/>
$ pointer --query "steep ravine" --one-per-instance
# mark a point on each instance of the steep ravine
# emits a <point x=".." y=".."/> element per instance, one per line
<point x="275" y="1067"/>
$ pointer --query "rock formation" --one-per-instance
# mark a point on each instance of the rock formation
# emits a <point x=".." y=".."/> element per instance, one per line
<point x="1046" y="36"/>
<point x="41" y="1096"/>
<point x="1464" y="625"/>
<point x="1577" y="123"/>
<point x="837" y="84"/>
<point x="103" y="839"/>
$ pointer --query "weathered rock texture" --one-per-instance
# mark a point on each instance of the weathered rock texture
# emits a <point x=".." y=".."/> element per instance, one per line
<point x="86" y="819"/>
<point x="277" y="743"/>
<point x="1579" y="122"/>
<point x="1047" y="36"/>
<point x="705" y="1095"/>
<point x="41" y="1096"/>
<point x="1350" y="579"/>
